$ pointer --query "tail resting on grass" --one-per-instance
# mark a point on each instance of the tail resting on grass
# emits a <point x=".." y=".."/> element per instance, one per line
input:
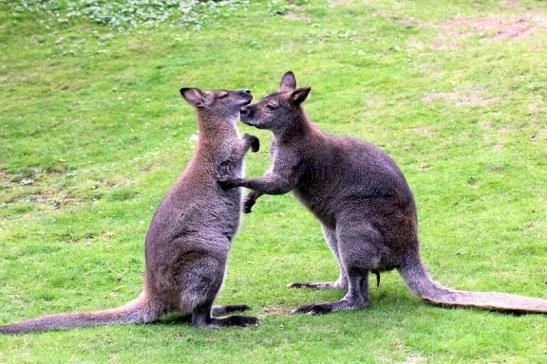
<point x="139" y="310"/>
<point x="418" y="281"/>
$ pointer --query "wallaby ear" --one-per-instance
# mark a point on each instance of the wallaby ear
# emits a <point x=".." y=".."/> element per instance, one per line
<point x="194" y="96"/>
<point x="288" y="82"/>
<point x="298" y="96"/>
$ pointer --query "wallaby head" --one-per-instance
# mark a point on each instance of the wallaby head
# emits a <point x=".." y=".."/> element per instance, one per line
<point x="221" y="104"/>
<point x="280" y="110"/>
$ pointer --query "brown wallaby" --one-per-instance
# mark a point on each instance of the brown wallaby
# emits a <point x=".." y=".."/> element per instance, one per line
<point x="189" y="239"/>
<point x="362" y="200"/>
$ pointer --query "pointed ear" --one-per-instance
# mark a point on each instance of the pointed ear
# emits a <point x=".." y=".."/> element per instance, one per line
<point x="288" y="82"/>
<point x="194" y="96"/>
<point x="298" y="96"/>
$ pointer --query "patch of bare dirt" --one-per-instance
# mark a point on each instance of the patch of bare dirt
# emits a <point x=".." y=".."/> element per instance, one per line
<point x="485" y="124"/>
<point x="495" y="27"/>
<point x="412" y="358"/>
<point x="51" y="198"/>
<point x="497" y="147"/>
<point x="465" y="98"/>
<point x="453" y="32"/>
<point x="426" y="132"/>
<point x="538" y="107"/>
<point x="36" y="189"/>
<point x="295" y="16"/>
<point x="437" y="45"/>
<point x="494" y="169"/>
<point x="274" y="310"/>
<point x="374" y="101"/>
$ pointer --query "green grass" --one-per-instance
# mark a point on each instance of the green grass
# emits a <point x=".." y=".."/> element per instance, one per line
<point x="93" y="132"/>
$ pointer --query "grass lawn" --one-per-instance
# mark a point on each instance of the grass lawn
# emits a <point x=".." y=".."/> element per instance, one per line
<point x="93" y="132"/>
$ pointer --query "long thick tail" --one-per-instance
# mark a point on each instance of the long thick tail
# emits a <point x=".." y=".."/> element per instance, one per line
<point x="139" y="310"/>
<point x="418" y="281"/>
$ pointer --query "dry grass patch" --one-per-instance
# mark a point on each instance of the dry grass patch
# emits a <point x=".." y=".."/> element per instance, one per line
<point x="453" y="32"/>
<point x="465" y="98"/>
<point x="295" y="16"/>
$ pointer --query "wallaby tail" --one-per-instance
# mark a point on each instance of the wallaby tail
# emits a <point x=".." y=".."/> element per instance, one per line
<point x="139" y="310"/>
<point x="418" y="281"/>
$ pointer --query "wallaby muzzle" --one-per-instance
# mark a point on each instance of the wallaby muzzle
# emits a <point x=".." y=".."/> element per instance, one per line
<point x="247" y="96"/>
<point x="246" y="113"/>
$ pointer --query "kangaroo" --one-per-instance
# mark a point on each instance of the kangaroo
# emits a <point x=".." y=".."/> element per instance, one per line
<point x="190" y="235"/>
<point x="360" y="196"/>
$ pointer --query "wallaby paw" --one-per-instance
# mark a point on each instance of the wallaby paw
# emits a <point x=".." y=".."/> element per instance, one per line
<point x="248" y="205"/>
<point x="313" y="309"/>
<point x="253" y="141"/>
<point x="228" y="181"/>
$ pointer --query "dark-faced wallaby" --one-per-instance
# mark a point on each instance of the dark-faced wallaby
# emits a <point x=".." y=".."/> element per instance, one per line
<point x="362" y="200"/>
<point x="190" y="236"/>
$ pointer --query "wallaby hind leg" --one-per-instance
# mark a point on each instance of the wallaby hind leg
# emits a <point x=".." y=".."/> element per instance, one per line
<point x="342" y="282"/>
<point x="200" y="283"/>
<point x="358" y="252"/>
<point x="355" y="298"/>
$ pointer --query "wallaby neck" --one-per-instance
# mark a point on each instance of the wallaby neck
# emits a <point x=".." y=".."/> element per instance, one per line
<point x="300" y="128"/>
<point x="216" y="137"/>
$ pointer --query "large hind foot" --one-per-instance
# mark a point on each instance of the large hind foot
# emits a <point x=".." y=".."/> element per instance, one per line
<point x="224" y="309"/>
<point x="328" y="307"/>
<point x="201" y="317"/>
<point x="356" y="297"/>
<point x="319" y="285"/>
<point x="234" y="320"/>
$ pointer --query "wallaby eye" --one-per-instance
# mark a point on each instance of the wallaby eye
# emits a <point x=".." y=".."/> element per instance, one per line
<point x="222" y="94"/>
<point x="270" y="107"/>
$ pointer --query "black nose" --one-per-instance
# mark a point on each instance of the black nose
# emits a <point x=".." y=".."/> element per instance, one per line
<point x="247" y="91"/>
<point x="243" y="110"/>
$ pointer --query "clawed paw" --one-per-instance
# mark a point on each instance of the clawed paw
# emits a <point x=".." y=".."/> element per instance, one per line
<point x="248" y="205"/>
<point x="253" y="141"/>
<point x="314" y="309"/>
<point x="227" y="181"/>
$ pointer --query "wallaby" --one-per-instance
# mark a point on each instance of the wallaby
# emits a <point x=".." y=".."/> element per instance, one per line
<point x="189" y="239"/>
<point x="362" y="200"/>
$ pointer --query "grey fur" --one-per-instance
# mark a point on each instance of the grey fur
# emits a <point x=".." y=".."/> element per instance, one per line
<point x="190" y="235"/>
<point x="362" y="201"/>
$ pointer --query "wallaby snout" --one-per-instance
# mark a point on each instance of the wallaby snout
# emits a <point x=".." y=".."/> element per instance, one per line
<point x="246" y="95"/>
<point x="246" y="113"/>
<point x="222" y="103"/>
<point x="278" y="111"/>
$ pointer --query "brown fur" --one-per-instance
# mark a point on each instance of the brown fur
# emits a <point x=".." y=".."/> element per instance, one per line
<point x="190" y="235"/>
<point x="362" y="200"/>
